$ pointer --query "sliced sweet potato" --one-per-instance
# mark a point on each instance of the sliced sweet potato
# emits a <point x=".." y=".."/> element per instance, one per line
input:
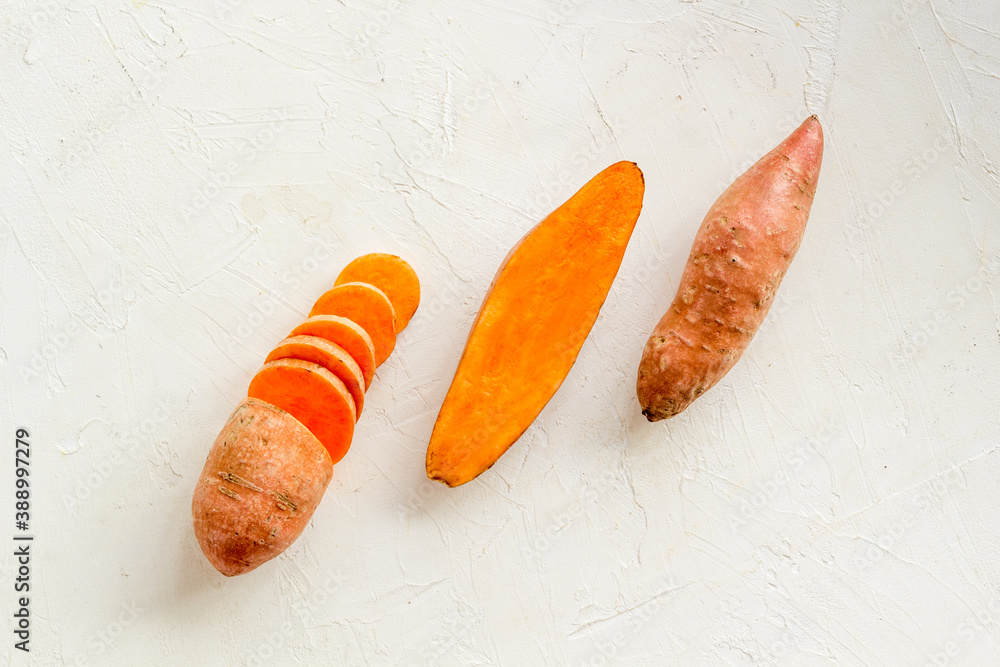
<point x="392" y="275"/>
<point x="314" y="396"/>
<point x="534" y="320"/>
<point x="330" y="356"/>
<point x="264" y="477"/>
<point x="368" y="306"/>
<point x="347" y="334"/>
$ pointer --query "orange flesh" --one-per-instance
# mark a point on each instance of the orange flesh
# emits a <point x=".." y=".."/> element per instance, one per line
<point x="330" y="356"/>
<point x="314" y="396"/>
<point x="345" y="333"/>
<point x="390" y="274"/>
<point x="369" y="307"/>
<point x="532" y="324"/>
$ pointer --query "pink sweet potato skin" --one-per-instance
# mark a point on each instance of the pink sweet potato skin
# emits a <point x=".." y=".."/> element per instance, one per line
<point x="739" y="256"/>
<point x="264" y="477"/>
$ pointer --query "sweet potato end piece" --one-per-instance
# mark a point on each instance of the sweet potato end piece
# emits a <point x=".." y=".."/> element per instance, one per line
<point x="263" y="479"/>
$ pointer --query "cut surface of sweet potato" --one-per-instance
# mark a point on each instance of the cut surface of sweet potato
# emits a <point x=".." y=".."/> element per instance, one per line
<point x="314" y="396"/>
<point x="533" y="322"/>
<point x="330" y="356"/>
<point x="347" y="334"/>
<point x="392" y="275"/>
<point x="366" y="305"/>
<point x="264" y="477"/>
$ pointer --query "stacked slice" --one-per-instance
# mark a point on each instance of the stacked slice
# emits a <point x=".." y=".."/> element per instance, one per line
<point x="320" y="372"/>
<point x="273" y="460"/>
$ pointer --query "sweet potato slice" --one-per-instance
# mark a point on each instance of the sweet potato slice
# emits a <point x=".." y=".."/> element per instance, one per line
<point x="392" y="275"/>
<point x="740" y="254"/>
<point x="368" y="306"/>
<point x="314" y="396"/>
<point x="330" y="356"/>
<point x="347" y="334"/>
<point x="533" y="322"/>
<point x="264" y="477"/>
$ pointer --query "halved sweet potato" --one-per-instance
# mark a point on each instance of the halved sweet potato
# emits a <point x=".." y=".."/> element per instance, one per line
<point x="330" y="356"/>
<point x="392" y="275"/>
<point x="533" y="322"/>
<point x="264" y="477"/>
<point x="347" y="334"/>
<point x="314" y="396"/>
<point x="368" y="306"/>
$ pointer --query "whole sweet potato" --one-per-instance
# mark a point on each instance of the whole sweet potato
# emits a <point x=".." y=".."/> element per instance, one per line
<point x="264" y="477"/>
<point x="740" y="255"/>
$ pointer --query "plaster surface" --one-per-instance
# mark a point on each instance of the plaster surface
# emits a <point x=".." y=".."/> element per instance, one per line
<point x="180" y="180"/>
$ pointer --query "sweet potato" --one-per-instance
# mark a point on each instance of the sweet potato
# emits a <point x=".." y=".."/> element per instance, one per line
<point x="347" y="334"/>
<point x="330" y="356"/>
<point x="369" y="307"/>
<point x="739" y="256"/>
<point x="314" y="396"/>
<point x="533" y="322"/>
<point x="390" y="274"/>
<point x="264" y="477"/>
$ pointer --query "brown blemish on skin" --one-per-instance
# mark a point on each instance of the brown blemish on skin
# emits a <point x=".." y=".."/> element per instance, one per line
<point x="284" y="502"/>
<point x="229" y="492"/>
<point x="236" y="479"/>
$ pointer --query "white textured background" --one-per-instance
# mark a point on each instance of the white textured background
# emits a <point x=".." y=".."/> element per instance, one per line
<point x="179" y="182"/>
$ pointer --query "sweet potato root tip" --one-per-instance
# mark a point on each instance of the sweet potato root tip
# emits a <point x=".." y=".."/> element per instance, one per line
<point x="392" y="275"/>
<point x="330" y="356"/>
<point x="314" y="396"/>
<point x="369" y="307"/>
<point x="739" y="256"/>
<point x="532" y="323"/>
<point x="347" y="334"/>
<point x="263" y="478"/>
